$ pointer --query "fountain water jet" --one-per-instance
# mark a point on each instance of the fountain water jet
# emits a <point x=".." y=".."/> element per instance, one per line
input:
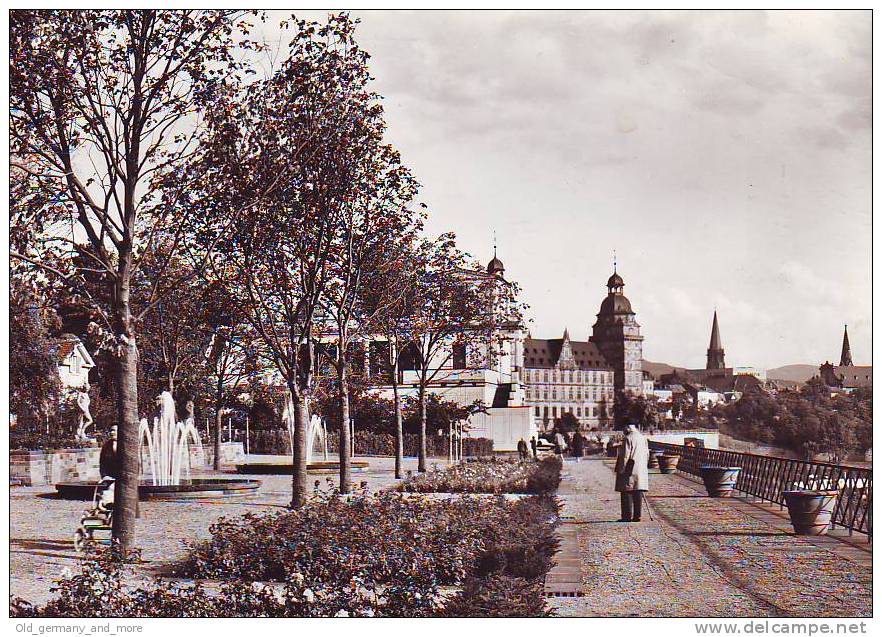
<point x="317" y="428"/>
<point x="317" y="431"/>
<point x="168" y="446"/>
<point x="168" y="443"/>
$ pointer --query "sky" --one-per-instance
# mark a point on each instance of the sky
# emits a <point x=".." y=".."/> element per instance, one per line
<point x="724" y="156"/>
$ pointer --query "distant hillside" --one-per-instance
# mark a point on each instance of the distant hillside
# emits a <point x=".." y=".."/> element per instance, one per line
<point x="791" y="373"/>
<point x="658" y="369"/>
<point x="796" y="373"/>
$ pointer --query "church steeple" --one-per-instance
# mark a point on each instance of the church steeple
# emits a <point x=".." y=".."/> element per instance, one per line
<point x="715" y="353"/>
<point x="845" y="359"/>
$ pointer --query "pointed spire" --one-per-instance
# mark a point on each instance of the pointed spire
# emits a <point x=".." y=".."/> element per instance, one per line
<point x="715" y="354"/>
<point x="715" y="334"/>
<point x="566" y="335"/>
<point x="845" y="359"/>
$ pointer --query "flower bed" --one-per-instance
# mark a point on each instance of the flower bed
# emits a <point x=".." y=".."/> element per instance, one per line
<point x="492" y="475"/>
<point x="366" y="556"/>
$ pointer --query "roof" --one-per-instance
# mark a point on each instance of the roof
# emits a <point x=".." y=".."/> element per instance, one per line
<point x="616" y="304"/>
<point x="855" y="375"/>
<point x="543" y="353"/>
<point x="495" y="266"/>
<point x="67" y="343"/>
<point x="615" y="281"/>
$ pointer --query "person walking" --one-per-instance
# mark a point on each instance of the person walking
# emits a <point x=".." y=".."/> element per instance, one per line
<point x="534" y="445"/>
<point x="522" y="449"/>
<point x="578" y="446"/>
<point x="632" y="473"/>
<point x="560" y="444"/>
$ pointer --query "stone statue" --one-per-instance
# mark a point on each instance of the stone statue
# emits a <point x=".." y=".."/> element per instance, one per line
<point x="190" y="410"/>
<point x="85" y="419"/>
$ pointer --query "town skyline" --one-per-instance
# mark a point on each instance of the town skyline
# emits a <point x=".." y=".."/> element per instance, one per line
<point x="724" y="156"/>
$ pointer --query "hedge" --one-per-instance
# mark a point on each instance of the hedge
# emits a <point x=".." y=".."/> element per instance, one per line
<point x="276" y="442"/>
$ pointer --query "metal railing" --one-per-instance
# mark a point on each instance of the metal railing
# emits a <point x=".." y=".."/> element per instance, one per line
<point x="767" y="477"/>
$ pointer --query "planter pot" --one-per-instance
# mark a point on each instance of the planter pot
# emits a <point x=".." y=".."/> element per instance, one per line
<point x="810" y="511"/>
<point x="720" y="481"/>
<point x="653" y="460"/>
<point x="667" y="463"/>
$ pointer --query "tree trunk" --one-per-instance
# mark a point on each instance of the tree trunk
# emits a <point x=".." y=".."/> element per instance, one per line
<point x="125" y="510"/>
<point x="218" y="420"/>
<point x="345" y="442"/>
<point x="450" y="443"/>
<point x="299" y="492"/>
<point x="421" y="465"/>
<point x="399" y="427"/>
<point x="218" y="428"/>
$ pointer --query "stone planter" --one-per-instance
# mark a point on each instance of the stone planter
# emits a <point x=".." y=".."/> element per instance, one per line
<point x="653" y="460"/>
<point x="720" y="481"/>
<point x="667" y="463"/>
<point x="811" y="512"/>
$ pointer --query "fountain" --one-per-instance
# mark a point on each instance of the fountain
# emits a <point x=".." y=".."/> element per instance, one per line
<point x="168" y="445"/>
<point x="316" y="432"/>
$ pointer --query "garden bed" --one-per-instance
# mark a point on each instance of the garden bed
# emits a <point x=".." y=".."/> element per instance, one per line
<point x="489" y="475"/>
<point x="369" y="555"/>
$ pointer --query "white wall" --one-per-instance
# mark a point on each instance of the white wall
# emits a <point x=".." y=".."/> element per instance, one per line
<point x="711" y="438"/>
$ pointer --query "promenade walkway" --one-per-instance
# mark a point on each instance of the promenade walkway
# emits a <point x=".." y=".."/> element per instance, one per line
<point x="700" y="557"/>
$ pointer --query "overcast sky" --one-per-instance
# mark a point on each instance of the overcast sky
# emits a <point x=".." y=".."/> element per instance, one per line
<point x="724" y="156"/>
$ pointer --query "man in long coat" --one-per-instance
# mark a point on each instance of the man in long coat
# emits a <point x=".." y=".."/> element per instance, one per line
<point x="632" y="473"/>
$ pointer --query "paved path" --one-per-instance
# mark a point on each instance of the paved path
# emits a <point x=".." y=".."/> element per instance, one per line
<point x="700" y="557"/>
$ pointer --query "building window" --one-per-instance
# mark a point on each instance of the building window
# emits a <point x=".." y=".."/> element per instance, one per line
<point x="537" y="411"/>
<point x="459" y="356"/>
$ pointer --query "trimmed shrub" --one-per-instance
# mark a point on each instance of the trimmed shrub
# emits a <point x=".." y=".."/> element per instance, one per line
<point x="489" y="475"/>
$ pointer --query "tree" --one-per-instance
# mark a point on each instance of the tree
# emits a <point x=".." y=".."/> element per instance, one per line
<point x="288" y="155"/>
<point x="566" y="424"/>
<point x="34" y="385"/>
<point x="454" y="304"/>
<point x="104" y="108"/>
<point x="231" y="358"/>
<point x="389" y="299"/>
<point x="175" y="331"/>
<point x="636" y="409"/>
<point x="377" y="216"/>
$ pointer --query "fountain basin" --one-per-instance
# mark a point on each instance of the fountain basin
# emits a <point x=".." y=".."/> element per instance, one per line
<point x="287" y="468"/>
<point x="195" y="488"/>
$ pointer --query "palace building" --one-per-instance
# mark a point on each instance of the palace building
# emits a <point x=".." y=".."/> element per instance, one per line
<point x="562" y="376"/>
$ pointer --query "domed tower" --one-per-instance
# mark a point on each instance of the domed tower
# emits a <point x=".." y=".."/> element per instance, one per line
<point x="617" y="335"/>
<point x="495" y="266"/>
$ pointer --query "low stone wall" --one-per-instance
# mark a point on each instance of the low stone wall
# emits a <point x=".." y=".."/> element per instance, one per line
<point x="35" y="468"/>
<point x="232" y="453"/>
<point x="39" y="467"/>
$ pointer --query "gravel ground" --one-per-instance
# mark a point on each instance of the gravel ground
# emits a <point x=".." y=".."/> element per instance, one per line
<point x="42" y="526"/>
<point x="699" y="558"/>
